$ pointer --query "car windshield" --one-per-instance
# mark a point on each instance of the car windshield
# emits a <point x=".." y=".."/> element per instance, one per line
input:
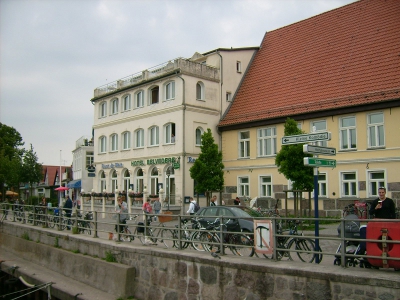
<point x="240" y="213"/>
<point x="251" y="212"/>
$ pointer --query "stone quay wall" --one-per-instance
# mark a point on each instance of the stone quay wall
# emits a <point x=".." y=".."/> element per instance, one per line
<point x="168" y="274"/>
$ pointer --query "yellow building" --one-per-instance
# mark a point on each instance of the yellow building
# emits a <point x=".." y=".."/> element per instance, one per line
<point x="338" y="72"/>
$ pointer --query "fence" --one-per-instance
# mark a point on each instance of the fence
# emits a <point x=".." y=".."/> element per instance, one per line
<point x="317" y="240"/>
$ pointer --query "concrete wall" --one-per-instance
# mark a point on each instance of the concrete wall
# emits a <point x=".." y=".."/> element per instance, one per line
<point x="156" y="273"/>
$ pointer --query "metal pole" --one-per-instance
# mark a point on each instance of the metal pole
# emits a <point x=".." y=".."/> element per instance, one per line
<point x="169" y="191"/>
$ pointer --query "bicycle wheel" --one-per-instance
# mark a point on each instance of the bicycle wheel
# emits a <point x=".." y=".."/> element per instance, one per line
<point x="209" y="241"/>
<point x="50" y="221"/>
<point x="128" y="237"/>
<point x="195" y="241"/>
<point x="168" y="237"/>
<point x="87" y="228"/>
<point x="244" y="246"/>
<point x="306" y="246"/>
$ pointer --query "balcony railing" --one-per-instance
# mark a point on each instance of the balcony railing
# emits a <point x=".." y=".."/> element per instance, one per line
<point x="183" y="64"/>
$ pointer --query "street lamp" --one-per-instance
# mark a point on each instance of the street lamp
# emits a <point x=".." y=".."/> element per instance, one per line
<point x="168" y="173"/>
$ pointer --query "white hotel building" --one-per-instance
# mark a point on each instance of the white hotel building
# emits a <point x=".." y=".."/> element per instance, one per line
<point x="149" y="124"/>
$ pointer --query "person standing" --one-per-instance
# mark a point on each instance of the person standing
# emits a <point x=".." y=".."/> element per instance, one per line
<point x="236" y="201"/>
<point x="68" y="210"/>
<point x="147" y="210"/>
<point x="122" y="213"/>
<point x="157" y="206"/>
<point x="192" y="206"/>
<point x="383" y="207"/>
<point x="213" y="200"/>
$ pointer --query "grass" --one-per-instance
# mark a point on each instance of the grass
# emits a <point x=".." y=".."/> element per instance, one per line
<point x="110" y="257"/>
<point x="56" y="244"/>
<point x="25" y="236"/>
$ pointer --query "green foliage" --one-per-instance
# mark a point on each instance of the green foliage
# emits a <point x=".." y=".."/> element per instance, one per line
<point x="110" y="257"/>
<point x="207" y="170"/>
<point x="76" y="251"/>
<point x="56" y="243"/>
<point x="290" y="161"/>
<point x="10" y="157"/>
<point x="31" y="169"/>
<point x="25" y="236"/>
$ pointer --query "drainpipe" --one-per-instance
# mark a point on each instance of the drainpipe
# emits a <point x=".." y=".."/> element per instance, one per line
<point x="183" y="144"/>
<point x="220" y="110"/>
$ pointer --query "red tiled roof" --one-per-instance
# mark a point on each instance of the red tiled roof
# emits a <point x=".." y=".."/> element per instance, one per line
<point x="345" y="57"/>
<point x="52" y="172"/>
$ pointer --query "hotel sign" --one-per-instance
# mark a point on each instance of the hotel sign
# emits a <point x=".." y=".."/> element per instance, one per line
<point x="154" y="161"/>
<point x="112" y="166"/>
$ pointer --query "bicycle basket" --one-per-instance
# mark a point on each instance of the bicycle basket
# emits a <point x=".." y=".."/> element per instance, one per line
<point x="140" y="227"/>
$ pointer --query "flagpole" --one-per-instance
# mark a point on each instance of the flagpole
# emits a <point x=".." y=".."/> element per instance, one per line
<point x="59" y="182"/>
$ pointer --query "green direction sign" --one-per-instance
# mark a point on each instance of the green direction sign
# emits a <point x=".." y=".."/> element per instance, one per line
<point x="319" y="162"/>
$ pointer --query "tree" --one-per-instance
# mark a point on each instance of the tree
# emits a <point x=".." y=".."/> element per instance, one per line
<point x="290" y="160"/>
<point x="207" y="169"/>
<point x="10" y="157"/>
<point x="31" y="169"/>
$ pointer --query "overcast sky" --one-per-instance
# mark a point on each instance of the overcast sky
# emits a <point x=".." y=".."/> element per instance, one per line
<point x="54" y="53"/>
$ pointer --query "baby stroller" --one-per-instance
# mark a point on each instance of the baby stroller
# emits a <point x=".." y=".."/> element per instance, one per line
<point x="352" y="230"/>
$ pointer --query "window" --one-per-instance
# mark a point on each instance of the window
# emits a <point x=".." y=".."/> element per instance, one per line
<point x="139" y="181"/>
<point x="153" y="136"/>
<point x="266" y="141"/>
<point x="376" y="179"/>
<point x="170" y="91"/>
<point x="348" y="133"/>
<point x="89" y="158"/>
<point x="322" y="184"/>
<point x="349" y="184"/>
<point x="126" y="140"/>
<point x="126" y="180"/>
<point x="114" y="181"/>
<point x="265" y="186"/>
<point x="228" y="96"/>
<point x="200" y="91"/>
<point x="238" y="67"/>
<point x="102" y="144"/>
<point x="376" y="134"/>
<point x="103" y="109"/>
<point x="199" y="133"/>
<point x="114" y="107"/>
<point x="139" y="138"/>
<point x="154" y="95"/>
<point x="102" y="181"/>
<point x="139" y="102"/>
<point x="127" y="103"/>
<point x="154" y="181"/>
<point x="244" y="144"/>
<point x="319" y="126"/>
<point x="169" y="132"/>
<point x="114" y="142"/>
<point x="243" y="186"/>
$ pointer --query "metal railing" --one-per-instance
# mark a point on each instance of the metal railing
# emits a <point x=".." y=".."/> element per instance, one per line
<point x="180" y="230"/>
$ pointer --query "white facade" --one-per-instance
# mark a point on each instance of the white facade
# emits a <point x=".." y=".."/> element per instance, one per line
<point x="83" y="157"/>
<point x="151" y="121"/>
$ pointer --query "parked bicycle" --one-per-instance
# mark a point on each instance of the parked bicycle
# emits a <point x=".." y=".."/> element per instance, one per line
<point x="84" y="223"/>
<point x="154" y="233"/>
<point x="294" y="242"/>
<point x="238" y="242"/>
<point x="186" y="235"/>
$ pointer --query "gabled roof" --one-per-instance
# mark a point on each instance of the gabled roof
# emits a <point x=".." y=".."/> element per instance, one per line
<point x="52" y="172"/>
<point x="343" y="58"/>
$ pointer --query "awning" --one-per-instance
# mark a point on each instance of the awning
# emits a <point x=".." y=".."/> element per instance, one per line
<point x="74" y="184"/>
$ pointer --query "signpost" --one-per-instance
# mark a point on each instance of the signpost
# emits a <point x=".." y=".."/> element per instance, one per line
<point x="319" y="162"/>
<point x="314" y="162"/>
<point x="319" y="150"/>
<point x="305" y="138"/>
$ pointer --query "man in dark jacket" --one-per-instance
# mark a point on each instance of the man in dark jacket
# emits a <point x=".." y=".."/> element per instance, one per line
<point x="382" y="207"/>
<point x="68" y="210"/>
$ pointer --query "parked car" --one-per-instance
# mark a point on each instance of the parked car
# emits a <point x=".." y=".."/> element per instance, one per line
<point x="244" y="218"/>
